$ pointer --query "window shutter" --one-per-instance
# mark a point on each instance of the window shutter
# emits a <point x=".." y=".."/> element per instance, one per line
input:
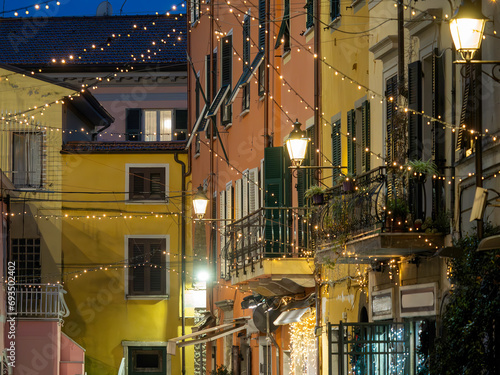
<point x="244" y="199"/>
<point x="277" y="195"/>
<point x="262" y="24"/>
<point x="391" y="86"/>
<point x="334" y="9"/>
<point x="365" y="128"/>
<point x="415" y="102"/>
<point x="262" y="184"/>
<point x="351" y="145"/>
<point x="181" y="119"/>
<point x="284" y="31"/>
<point x="133" y="124"/>
<point x="137" y="260"/>
<point x="253" y="190"/>
<point x="208" y="79"/>
<point x="237" y="199"/>
<point x="246" y="41"/>
<point x="214" y="75"/>
<point x="309" y="13"/>
<point x="222" y="232"/>
<point x="155" y="269"/>
<point x="336" y="149"/>
<point x="227" y="60"/>
<point x="229" y="200"/>
<point x="138" y="190"/>
<point x="438" y="108"/>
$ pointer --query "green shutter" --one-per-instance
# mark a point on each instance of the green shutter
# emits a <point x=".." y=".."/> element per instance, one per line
<point x="262" y="24"/>
<point x="309" y="13"/>
<point x="285" y="24"/>
<point x="336" y="150"/>
<point x="277" y="194"/>
<point x="351" y="146"/>
<point x="365" y="128"/>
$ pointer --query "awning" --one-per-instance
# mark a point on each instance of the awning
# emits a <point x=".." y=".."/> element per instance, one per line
<point x="246" y="76"/>
<point x="290" y="316"/>
<point x="207" y="334"/>
<point x="214" y="107"/>
<point x="200" y="119"/>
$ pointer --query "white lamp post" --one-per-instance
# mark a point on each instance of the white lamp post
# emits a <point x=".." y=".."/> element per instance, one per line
<point x="467" y="28"/>
<point x="296" y="144"/>
<point x="200" y="202"/>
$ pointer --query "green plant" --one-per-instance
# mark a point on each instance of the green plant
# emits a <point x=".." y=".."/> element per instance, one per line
<point x="221" y="370"/>
<point x="468" y="343"/>
<point x="421" y="167"/>
<point x="345" y="177"/>
<point x="314" y="190"/>
<point x="397" y="208"/>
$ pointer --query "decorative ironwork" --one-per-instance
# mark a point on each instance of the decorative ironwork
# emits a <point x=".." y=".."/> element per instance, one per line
<point x="265" y="233"/>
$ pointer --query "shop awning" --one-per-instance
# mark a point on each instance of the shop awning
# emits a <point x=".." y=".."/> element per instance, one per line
<point x="290" y="316"/>
<point x="207" y="334"/>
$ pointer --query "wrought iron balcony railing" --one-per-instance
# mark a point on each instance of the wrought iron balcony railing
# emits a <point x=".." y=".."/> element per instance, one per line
<point x="266" y="233"/>
<point x="350" y="212"/>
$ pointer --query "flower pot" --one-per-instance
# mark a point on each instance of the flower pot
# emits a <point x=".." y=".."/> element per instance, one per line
<point x="317" y="199"/>
<point x="347" y="186"/>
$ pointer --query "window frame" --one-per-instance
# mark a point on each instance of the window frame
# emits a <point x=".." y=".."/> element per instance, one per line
<point x="165" y="243"/>
<point x="334" y="10"/>
<point x="25" y="274"/>
<point x="128" y="346"/>
<point x="226" y="77"/>
<point x="29" y="153"/>
<point x="129" y="183"/>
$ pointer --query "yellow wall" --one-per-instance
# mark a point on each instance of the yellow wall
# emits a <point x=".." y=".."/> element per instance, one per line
<point x="18" y="94"/>
<point x="101" y="316"/>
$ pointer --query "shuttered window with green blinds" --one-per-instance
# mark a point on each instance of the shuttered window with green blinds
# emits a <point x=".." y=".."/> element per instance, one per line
<point x="226" y="75"/>
<point x="284" y="31"/>
<point x="262" y="24"/>
<point x="309" y="13"/>
<point x="351" y="143"/>
<point x="277" y="187"/>
<point x="336" y="150"/>
<point x="365" y="129"/>
<point x="334" y="9"/>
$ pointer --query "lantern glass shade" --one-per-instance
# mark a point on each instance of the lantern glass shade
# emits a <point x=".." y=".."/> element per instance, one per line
<point x="467" y="28"/>
<point x="467" y="34"/>
<point x="200" y="202"/>
<point x="297" y="150"/>
<point x="296" y="144"/>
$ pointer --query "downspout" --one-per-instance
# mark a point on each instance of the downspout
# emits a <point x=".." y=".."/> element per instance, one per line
<point x="185" y="173"/>
<point x="317" y="142"/>
<point x="267" y="140"/>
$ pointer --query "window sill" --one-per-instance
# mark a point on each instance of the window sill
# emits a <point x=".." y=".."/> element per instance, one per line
<point x="227" y="126"/>
<point x="155" y="201"/>
<point x="195" y="23"/>
<point x="147" y="297"/>
<point x="197" y="155"/>
<point x="262" y="97"/>
<point x="335" y="23"/>
<point x="287" y="56"/>
<point x="309" y="31"/>
<point x="244" y="112"/>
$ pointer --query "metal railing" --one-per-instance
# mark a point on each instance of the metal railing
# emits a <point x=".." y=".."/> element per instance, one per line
<point x="40" y="301"/>
<point x="266" y="233"/>
<point x="357" y="211"/>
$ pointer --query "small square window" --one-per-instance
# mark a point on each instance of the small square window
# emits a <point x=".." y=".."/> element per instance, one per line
<point x="147" y="184"/>
<point x="147" y="360"/>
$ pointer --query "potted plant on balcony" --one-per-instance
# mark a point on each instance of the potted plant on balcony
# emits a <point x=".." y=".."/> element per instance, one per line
<point x="397" y="211"/>
<point x="316" y="194"/>
<point x="418" y="170"/>
<point x="347" y="181"/>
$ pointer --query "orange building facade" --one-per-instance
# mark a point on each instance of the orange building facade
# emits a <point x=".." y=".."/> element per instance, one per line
<point x="252" y="75"/>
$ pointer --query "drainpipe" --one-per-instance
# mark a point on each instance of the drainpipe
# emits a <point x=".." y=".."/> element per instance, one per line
<point x="183" y="252"/>
<point x="267" y="141"/>
<point x="317" y="142"/>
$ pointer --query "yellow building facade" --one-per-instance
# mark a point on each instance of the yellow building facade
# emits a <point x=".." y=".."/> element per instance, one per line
<point x="122" y="257"/>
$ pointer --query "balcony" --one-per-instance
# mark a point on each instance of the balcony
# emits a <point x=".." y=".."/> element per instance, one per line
<point x="39" y="302"/>
<point x="375" y="218"/>
<point x="270" y="248"/>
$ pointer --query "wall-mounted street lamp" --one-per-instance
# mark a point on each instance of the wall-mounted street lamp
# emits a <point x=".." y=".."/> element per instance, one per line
<point x="296" y="144"/>
<point x="200" y="202"/>
<point x="467" y="28"/>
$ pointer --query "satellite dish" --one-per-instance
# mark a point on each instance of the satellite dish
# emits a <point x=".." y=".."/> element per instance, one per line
<point x="260" y="317"/>
<point x="104" y="9"/>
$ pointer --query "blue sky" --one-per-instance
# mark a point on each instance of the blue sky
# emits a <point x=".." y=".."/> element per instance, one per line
<point x="85" y="7"/>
